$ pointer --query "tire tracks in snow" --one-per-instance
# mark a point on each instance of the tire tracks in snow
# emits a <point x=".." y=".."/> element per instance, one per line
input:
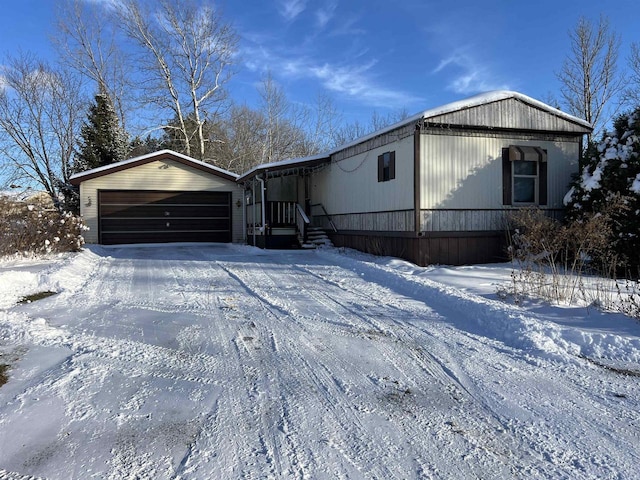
<point x="485" y="430"/>
<point x="533" y="456"/>
<point x="95" y="361"/>
<point x="294" y="366"/>
<point x="263" y="286"/>
<point x="296" y="376"/>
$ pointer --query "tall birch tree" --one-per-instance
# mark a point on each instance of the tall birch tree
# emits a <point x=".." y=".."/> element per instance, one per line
<point x="633" y="92"/>
<point x="88" y="43"/>
<point x="186" y="53"/>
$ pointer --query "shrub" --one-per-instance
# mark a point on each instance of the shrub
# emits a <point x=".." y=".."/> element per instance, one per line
<point x="555" y="261"/>
<point x="36" y="228"/>
<point x="611" y="174"/>
<point x="553" y="257"/>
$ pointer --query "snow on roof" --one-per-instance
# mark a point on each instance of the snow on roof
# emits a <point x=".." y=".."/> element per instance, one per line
<point x="495" y="96"/>
<point x="150" y="156"/>
<point x="474" y="101"/>
<point x="285" y="163"/>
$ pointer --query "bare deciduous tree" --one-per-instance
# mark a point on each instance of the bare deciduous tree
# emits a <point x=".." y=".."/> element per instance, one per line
<point x="88" y="44"/>
<point x="239" y="144"/>
<point x="41" y="111"/>
<point x="279" y="129"/>
<point x="186" y="54"/>
<point x="350" y="131"/>
<point x="284" y="135"/>
<point x="633" y="92"/>
<point x="324" y="122"/>
<point x="589" y="76"/>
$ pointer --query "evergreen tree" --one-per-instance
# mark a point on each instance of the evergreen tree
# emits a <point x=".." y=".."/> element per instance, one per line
<point x="142" y="146"/>
<point x="102" y="141"/>
<point x="609" y="185"/>
<point x="174" y="132"/>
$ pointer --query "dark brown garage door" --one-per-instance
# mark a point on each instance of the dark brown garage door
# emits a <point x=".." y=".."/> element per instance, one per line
<point x="156" y="216"/>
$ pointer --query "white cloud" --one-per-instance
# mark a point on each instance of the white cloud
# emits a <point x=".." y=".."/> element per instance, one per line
<point x="470" y="77"/>
<point x="347" y="27"/>
<point x="354" y="81"/>
<point x="290" y="9"/>
<point x="3" y="80"/>
<point x="325" y="14"/>
<point x="256" y="58"/>
<point x="108" y="4"/>
<point x="445" y="63"/>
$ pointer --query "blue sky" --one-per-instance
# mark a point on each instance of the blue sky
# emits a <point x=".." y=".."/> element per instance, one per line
<point x="377" y="54"/>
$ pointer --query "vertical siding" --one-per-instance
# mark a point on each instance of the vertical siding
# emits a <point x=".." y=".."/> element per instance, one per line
<point x="159" y="175"/>
<point x="351" y="185"/>
<point x="468" y="220"/>
<point x="462" y="179"/>
<point x="509" y="113"/>
<point x="465" y="172"/>
<point x="462" y="249"/>
<point x="396" y="221"/>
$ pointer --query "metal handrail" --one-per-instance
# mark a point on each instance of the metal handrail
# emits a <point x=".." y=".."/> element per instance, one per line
<point x="302" y="221"/>
<point x="304" y="216"/>
<point x="333" y="225"/>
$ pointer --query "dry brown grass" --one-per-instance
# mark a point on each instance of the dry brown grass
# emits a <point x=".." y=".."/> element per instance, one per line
<point x="553" y="260"/>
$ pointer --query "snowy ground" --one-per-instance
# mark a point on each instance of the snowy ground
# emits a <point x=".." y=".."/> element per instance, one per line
<point x="231" y="362"/>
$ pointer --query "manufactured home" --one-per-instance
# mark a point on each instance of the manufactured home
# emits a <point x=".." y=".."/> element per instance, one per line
<point x="436" y="187"/>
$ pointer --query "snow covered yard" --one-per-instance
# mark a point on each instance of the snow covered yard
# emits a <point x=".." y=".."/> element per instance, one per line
<point x="223" y="361"/>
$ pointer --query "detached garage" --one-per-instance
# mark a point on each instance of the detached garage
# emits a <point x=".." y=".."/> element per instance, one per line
<point x="160" y="197"/>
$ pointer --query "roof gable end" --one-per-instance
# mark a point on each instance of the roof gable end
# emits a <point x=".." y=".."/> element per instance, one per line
<point x="78" y="178"/>
<point x="457" y="113"/>
<point x="506" y="110"/>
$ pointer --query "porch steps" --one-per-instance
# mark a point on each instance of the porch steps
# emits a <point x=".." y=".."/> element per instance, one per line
<point x="316" y="237"/>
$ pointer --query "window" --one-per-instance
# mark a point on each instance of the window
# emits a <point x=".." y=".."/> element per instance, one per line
<point x="386" y="166"/>
<point x="524" y="175"/>
<point x="525" y="181"/>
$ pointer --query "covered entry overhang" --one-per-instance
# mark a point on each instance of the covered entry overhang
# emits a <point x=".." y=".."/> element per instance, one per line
<point x="277" y="200"/>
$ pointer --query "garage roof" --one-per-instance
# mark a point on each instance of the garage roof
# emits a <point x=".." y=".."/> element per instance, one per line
<point x="78" y="178"/>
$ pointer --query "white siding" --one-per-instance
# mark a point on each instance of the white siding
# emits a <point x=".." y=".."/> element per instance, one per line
<point x="351" y="185"/>
<point x="466" y="171"/>
<point x="158" y="175"/>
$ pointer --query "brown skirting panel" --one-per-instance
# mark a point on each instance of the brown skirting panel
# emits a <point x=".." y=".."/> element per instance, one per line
<point x="446" y="248"/>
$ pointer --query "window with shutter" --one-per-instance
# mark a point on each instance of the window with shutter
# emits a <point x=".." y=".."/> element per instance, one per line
<point x="386" y="166"/>
<point x="524" y="175"/>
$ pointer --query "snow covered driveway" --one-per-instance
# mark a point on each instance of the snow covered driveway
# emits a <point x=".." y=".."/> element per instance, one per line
<point x="232" y="362"/>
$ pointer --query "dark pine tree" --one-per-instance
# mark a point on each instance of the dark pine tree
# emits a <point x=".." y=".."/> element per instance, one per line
<point x="102" y="139"/>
